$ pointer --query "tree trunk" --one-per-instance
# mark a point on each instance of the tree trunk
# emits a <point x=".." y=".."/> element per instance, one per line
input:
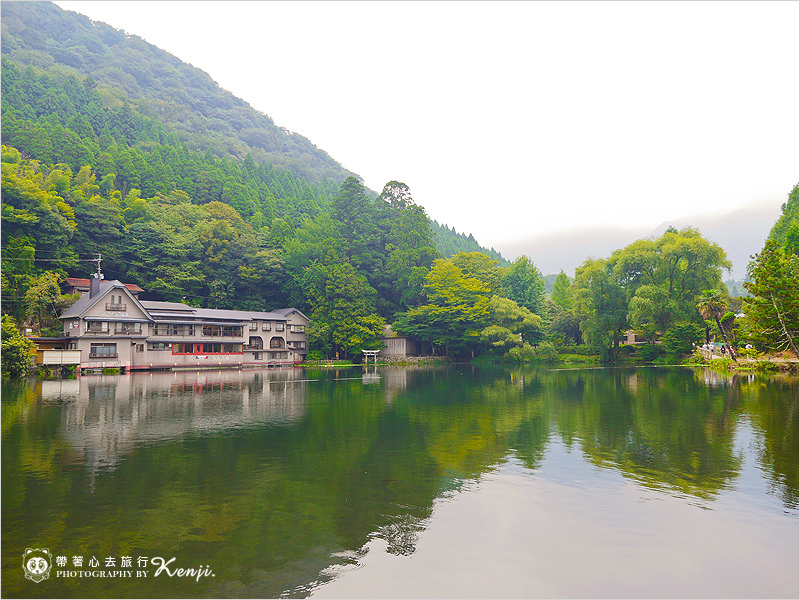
<point x="783" y="325"/>
<point x="725" y="337"/>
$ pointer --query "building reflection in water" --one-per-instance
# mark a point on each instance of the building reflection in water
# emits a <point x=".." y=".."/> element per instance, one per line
<point x="105" y="417"/>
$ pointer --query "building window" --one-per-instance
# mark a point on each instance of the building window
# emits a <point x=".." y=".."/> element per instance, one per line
<point x="223" y="330"/>
<point x="139" y="347"/>
<point x="256" y="355"/>
<point x="159" y="346"/>
<point x="297" y="328"/>
<point x="174" y="329"/>
<point x="103" y="351"/>
<point x="97" y="326"/>
<point x="278" y="326"/>
<point x="277" y="342"/>
<point x="208" y="348"/>
<point x="253" y="325"/>
<point x="265" y="326"/>
<point x="127" y="328"/>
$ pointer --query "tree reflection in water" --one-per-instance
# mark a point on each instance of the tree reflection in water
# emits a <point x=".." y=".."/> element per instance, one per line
<point x="275" y="477"/>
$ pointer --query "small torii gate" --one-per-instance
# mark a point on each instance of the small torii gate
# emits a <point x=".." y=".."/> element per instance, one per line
<point x="370" y="354"/>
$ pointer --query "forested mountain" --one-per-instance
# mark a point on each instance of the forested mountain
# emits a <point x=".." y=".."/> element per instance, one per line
<point x="449" y="243"/>
<point x="113" y="147"/>
<point x="125" y="69"/>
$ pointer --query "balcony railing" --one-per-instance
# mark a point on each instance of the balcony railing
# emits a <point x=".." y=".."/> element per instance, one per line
<point x="115" y="306"/>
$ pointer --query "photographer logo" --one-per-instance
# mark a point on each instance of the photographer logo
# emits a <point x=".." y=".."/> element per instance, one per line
<point x="37" y="564"/>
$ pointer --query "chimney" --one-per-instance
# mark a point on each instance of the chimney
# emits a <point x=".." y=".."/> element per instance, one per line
<point x="94" y="286"/>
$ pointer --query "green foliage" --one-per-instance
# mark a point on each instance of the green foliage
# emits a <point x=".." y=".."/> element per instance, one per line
<point x="16" y="349"/>
<point x="44" y="302"/>
<point x="481" y="267"/>
<point x="511" y="324"/>
<point x="680" y="338"/>
<point x="521" y="354"/>
<point x="785" y="230"/>
<point x="712" y="305"/>
<point x="560" y="293"/>
<point x="771" y="310"/>
<point x="343" y="317"/>
<point x="600" y="306"/>
<point x="651" y="310"/>
<point x="523" y="283"/>
<point x="458" y="309"/>
<point x="667" y="275"/>
<point x="649" y="352"/>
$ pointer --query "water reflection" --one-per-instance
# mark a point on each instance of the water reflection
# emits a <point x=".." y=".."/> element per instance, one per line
<point x="286" y="480"/>
<point x="105" y="417"/>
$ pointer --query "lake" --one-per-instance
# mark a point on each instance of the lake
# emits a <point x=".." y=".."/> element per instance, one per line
<point x="443" y="482"/>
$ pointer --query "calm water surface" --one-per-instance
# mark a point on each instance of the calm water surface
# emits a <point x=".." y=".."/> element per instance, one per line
<point x="449" y="483"/>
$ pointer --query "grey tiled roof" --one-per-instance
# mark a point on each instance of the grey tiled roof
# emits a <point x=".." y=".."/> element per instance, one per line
<point x="85" y="302"/>
<point x="176" y="310"/>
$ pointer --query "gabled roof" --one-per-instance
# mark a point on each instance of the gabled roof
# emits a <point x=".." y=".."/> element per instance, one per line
<point x="172" y="311"/>
<point x="287" y="311"/>
<point x="80" y="308"/>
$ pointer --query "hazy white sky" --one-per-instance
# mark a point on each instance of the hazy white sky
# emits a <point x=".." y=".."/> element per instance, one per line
<point x="508" y="120"/>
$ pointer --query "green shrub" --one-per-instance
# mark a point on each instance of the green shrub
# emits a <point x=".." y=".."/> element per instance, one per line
<point x="681" y="337"/>
<point x="749" y="353"/>
<point x="16" y="349"/>
<point x="546" y="352"/>
<point x="582" y="349"/>
<point x="649" y="352"/>
<point x="315" y="355"/>
<point x="524" y="353"/>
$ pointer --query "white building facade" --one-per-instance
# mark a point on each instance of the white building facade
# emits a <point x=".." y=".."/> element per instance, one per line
<point x="111" y="328"/>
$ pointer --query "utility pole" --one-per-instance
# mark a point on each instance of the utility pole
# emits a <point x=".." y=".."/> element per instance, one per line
<point x="98" y="260"/>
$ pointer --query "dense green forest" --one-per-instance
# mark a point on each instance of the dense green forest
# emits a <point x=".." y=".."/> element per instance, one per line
<point x="178" y="202"/>
<point x="156" y="84"/>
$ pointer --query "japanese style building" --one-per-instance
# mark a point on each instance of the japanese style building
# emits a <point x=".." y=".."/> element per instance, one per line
<point x="111" y="328"/>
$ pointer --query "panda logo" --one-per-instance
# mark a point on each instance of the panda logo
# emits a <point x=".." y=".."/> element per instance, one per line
<point x="37" y="564"/>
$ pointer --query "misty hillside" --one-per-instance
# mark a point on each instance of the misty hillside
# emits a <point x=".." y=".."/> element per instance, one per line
<point x="741" y="233"/>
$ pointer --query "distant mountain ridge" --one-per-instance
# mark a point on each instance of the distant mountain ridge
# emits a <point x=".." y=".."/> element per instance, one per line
<point x="740" y="232"/>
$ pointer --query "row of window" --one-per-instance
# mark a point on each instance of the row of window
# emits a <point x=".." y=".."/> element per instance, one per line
<point x="173" y="329"/>
<point x="265" y="326"/>
<point x="118" y="328"/>
<point x="104" y="351"/>
<point x="182" y="330"/>
<point x="270" y="355"/>
<point x="207" y="348"/>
